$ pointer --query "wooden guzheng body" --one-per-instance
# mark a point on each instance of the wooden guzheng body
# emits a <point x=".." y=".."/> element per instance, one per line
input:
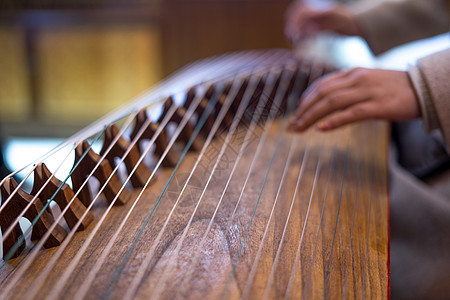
<point x="197" y="191"/>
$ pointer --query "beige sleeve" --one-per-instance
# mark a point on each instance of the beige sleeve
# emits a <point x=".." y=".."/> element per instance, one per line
<point x="392" y="23"/>
<point x="431" y="80"/>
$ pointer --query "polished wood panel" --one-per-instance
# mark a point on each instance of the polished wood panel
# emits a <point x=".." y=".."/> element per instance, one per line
<point x="335" y="243"/>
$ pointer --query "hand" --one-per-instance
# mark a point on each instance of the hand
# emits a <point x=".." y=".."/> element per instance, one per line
<point x="303" y="21"/>
<point x="359" y="94"/>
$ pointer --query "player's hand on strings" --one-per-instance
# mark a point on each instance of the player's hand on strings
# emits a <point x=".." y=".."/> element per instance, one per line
<point x="359" y="94"/>
<point x="303" y="21"/>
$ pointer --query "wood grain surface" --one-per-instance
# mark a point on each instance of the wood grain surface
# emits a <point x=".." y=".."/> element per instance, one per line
<point x="311" y="222"/>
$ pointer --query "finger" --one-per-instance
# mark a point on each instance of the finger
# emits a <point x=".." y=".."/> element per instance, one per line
<point x="338" y="100"/>
<point x="322" y="88"/>
<point x="359" y="112"/>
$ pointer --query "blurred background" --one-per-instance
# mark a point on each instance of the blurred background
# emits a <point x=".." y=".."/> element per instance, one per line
<point x="64" y="64"/>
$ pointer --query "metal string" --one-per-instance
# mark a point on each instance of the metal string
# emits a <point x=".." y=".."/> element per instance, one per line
<point x="33" y="200"/>
<point x="189" y="75"/>
<point x="88" y="280"/>
<point x="100" y="262"/>
<point x="117" y="273"/>
<point x="297" y="255"/>
<point x="279" y="94"/>
<point x="152" y="96"/>
<point x="291" y="102"/>
<point x="277" y="255"/>
<point x="293" y="97"/>
<point x="368" y="227"/>
<point x="254" y="160"/>
<point x="137" y="278"/>
<point x="268" y="86"/>
<point x="233" y="271"/>
<point x="252" y="274"/>
<point x="87" y="242"/>
<point x="308" y="278"/>
<point x="327" y="273"/>
<point x="21" y="239"/>
<point x="29" y="259"/>
<point x="358" y="171"/>
<point x="243" y="105"/>
<point x="77" y="225"/>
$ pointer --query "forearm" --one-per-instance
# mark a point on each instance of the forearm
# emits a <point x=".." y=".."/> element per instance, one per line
<point x="392" y="23"/>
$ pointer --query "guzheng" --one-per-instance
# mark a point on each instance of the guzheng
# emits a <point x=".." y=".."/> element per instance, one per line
<point x="196" y="190"/>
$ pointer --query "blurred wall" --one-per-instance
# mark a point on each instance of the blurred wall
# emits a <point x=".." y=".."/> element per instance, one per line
<point x="65" y="65"/>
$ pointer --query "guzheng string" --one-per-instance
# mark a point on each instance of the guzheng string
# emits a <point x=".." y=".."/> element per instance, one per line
<point x="297" y="83"/>
<point x="182" y="238"/>
<point x="250" y="279"/>
<point x="224" y="109"/>
<point x="327" y="273"/>
<point x="112" y="283"/>
<point x="21" y="239"/>
<point x="62" y="247"/>
<point x="292" y="99"/>
<point x="308" y="278"/>
<point x="7" y="200"/>
<point x="280" y="94"/>
<point x="88" y="280"/>
<point x="29" y="259"/>
<point x="243" y="105"/>
<point x="190" y="142"/>
<point x="291" y="279"/>
<point x="249" y="282"/>
<point x="8" y="231"/>
<point x="156" y="293"/>
<point x="130" y="174"/>
<point x="133" y="245"/>
<point x="241" y="247"/>
<point x="67" y="241"/>
<point x="371" y="197"/>
<point x="297" y="255"/>
<point x="269" y="85"/>
<point x="5" y="234"/>
<point x="100" y="261"/>
<point x="299" y="178"/>
<point x="358" y="172"/>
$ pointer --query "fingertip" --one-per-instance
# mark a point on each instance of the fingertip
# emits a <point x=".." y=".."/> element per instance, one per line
<point x="324" y="125"/>
<point x="296" y="126"/>
<point x="300" y="123"/>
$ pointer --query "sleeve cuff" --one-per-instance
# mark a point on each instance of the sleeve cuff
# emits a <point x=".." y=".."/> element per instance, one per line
<point x="427" y="109"/>
<point x="430" y="80"/>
